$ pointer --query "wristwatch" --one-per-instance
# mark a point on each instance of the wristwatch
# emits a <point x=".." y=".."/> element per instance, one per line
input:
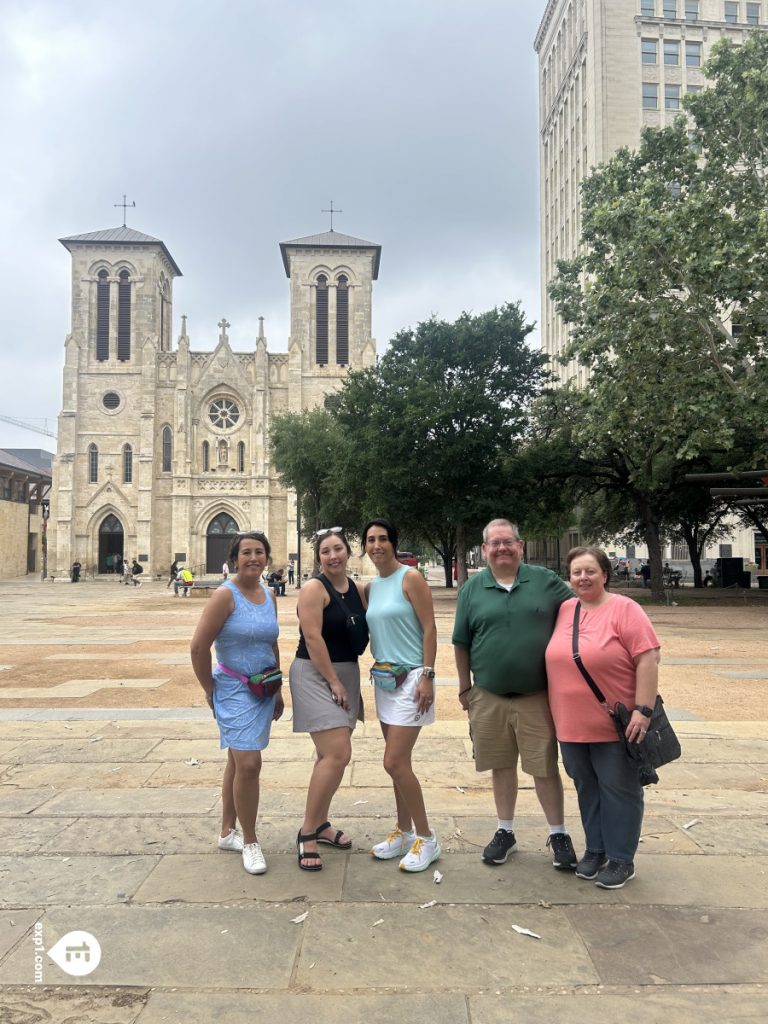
<point x="428" y="672"/>
<point x="644" y="710"/>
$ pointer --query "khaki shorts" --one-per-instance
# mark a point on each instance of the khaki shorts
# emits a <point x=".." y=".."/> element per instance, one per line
<point x="503" y="728"/>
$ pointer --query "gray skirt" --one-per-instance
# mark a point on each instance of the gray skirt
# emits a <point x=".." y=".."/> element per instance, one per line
<point x="313" y="707"/>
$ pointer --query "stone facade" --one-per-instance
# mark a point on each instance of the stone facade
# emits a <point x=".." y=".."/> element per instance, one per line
<point x="24" y="492"/>
<point x="601" y="63"/>
<point x="163" y="452"/>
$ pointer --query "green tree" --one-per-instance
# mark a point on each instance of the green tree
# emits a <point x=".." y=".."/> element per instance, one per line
<point x="674" y="237"/>
<point x="436" y="422"/>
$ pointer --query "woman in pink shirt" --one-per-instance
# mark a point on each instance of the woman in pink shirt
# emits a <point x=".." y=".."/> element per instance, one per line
<point x="620" y="650"/>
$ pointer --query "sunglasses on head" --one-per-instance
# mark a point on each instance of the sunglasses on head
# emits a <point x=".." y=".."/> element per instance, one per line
<point x="330" y="529"/>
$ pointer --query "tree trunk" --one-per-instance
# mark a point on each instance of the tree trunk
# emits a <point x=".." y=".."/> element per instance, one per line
<point x="461" y="555"/>
<point x="653" y="543"/>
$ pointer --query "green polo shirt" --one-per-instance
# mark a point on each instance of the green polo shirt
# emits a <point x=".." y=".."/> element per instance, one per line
<point x="507" y="632"/>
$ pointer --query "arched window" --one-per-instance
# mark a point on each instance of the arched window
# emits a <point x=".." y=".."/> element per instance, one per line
<point x="206" y="456"/>
<point x="167" y="449"/>
<point x="124" y="316"/>
<point x="321" y="321"/>
<point x="222" y="524"/>
<point x="342" y="321"/>
<point x="127" y="464"/>
<point x="93" y="464"/>
<point x="102" y="316"/>
<point x="241" y="457"/>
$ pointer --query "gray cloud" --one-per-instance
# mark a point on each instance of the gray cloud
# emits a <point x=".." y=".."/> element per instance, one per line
<point x="231" y="124"/>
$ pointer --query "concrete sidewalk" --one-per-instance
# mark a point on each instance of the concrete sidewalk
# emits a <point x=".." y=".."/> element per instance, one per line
<point x="109" y="826"/>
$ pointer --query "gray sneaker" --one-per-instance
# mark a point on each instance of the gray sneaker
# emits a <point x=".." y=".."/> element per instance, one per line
<point x="590" y="864"/>
<point x="500" y="847"/>
<point x="615" y="874"/>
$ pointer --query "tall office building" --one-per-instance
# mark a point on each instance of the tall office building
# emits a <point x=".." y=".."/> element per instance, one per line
<point x="607" y="68"/>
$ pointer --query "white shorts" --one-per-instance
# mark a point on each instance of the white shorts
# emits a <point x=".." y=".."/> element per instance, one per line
<point x="397" y="707"/>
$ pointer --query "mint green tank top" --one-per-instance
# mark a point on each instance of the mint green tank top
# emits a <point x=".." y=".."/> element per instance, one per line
<point x="396" y="633"/>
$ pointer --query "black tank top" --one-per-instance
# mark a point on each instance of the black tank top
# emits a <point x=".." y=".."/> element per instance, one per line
<point x="334" y="629"/>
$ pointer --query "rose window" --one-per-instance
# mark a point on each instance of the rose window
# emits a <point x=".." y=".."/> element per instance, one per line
<point x="223" y="413"/>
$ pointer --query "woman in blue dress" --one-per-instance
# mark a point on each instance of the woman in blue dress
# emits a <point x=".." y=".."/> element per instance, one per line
<point x="240" y="621"/>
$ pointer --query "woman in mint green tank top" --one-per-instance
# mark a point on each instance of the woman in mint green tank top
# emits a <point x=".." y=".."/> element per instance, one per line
<point x="401" y="621"/>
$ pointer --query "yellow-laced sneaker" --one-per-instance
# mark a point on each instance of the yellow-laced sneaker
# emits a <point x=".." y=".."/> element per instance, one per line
<point x="424" y="851"/>
<point x="395" y="845"/>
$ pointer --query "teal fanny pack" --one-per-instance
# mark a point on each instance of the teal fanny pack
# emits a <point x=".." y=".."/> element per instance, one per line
<point x="387" y="675"/>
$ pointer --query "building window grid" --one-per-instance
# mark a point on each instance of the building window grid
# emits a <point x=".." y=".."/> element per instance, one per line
<point x="672" y="52"/>
<point x="731" y="12"/>
<point x="342" y="321"/>
<point x="102" y="316"/>
<point x="669" y="8"/>
<point x="753" y="14"/>
<point x="650" y="51"/>
<point x="691" y="10"/>
<point x="124" y="316"/>
<point x="693" y="55"/>
<point x="648" y="8"/>
<point x="650" y="96"/>
<point x="167" y="449"/>
<point x="127" y="464"/>
<point x="671" y="97"/>
<point x="321" y="321"/>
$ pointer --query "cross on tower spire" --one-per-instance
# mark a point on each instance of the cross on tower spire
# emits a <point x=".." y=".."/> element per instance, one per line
<point x="331" y="211"/>
<point x="125" y="206"/>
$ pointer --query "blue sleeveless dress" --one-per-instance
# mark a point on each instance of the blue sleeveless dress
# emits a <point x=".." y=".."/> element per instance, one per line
<point x="244" y="644"/>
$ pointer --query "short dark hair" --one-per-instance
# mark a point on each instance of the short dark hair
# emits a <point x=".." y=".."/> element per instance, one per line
<point x="387" y="524"/>
<point x="599" y="556"/>
<point x="319" y="540"/>
<point x="234" y="551"/>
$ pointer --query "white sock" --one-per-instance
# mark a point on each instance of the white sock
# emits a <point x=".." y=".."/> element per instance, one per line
<point x="507" y="824"/>
<point x="557" y="830"/>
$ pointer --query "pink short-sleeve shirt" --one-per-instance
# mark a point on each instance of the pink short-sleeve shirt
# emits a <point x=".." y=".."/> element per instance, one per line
<point x="611" y="636"/>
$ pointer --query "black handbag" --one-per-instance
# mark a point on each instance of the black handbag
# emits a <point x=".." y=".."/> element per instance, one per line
<point x="660" y="745"/>
<point x="357" y="627"/>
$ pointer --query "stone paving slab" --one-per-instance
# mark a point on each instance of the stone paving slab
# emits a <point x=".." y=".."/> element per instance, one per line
<point x="76" y="688"/>
<point x="439" y="949"/>
<point x="691" y="803"/>
<point x="429" y="773"/>
<point x="707" y="1004"/>
<point x="93" y="749"/>
<point x="29" y="835"/>
<point x="14" y="925"/>
<point x="7" y="749"/>
<point x="219" y="878"/>
<point x="740" y="836"/>
<point x="79" y="776"/>
<point x="33" y="1004"/>
<point x="120" y="803"/>
<point x="728" y="775"/>
<point x="23" y="801"/>
<point x="203" y="1008"/>
<point x="208" y="749"/>
<point x="664" y="945"/>
<point x="46" y="731"/>
<point x="167" y="947"/>
<point x="38" y="881"/>
<point x="527" y="878"/>
<point x="731" y="749"/>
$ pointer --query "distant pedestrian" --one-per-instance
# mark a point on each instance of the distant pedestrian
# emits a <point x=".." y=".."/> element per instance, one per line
<point x="172" y="573"/>
<point x="225" y="571"/>
<point x="291" y="572"/>
<point x="126" y="572"/>
<point x="645" y="572"/>
<point x="136" y="570"/>
<point x="76" y="567"/>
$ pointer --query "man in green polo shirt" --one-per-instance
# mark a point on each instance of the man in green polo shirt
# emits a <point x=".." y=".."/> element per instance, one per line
<point x="504" y="620"/>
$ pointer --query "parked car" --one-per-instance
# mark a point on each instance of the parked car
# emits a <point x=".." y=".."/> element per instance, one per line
<point x="407" y="558"/>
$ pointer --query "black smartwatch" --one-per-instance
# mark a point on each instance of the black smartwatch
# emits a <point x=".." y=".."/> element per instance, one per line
<point x="428" y="672"/>
<point x="644" y="710"/>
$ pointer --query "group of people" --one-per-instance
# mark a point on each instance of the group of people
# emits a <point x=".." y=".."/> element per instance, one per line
<point x="517" y="638"/>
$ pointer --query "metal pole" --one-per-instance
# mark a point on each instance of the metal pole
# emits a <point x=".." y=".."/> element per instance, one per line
<point x="298" y="542"/>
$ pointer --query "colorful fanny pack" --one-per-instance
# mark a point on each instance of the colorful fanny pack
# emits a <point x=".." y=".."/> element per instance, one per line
<point x="387" y="675"/>
<point x="263" y="684"/>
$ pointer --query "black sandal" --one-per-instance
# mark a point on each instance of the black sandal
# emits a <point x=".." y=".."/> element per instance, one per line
<point x="300" y="840"/>
<point x="332" y="842"/>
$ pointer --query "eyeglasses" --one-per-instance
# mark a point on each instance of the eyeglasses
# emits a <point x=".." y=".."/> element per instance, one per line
<point x="509" y="542"/>
<point x="330" y="529"/>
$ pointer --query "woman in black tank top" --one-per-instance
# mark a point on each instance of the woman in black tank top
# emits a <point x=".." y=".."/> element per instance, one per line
<point x="325" y="688"/>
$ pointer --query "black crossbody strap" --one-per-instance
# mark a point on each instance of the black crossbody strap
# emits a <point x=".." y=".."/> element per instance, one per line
<point x="580" y="665"/>
<point x="335" y="595"/>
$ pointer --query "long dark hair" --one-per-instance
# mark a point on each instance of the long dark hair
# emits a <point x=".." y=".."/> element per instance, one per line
<point x="387" y="524"/>
<point x="234" y="551"/>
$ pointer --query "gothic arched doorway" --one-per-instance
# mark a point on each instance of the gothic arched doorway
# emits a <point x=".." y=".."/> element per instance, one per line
<point x="110" y="542"/>
<point x="218" y="541"/>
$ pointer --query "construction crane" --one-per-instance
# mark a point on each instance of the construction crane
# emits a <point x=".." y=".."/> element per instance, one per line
<point x="28" y="426"/>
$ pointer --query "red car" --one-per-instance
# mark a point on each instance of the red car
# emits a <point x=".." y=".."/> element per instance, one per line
<point x="407" y="558"/>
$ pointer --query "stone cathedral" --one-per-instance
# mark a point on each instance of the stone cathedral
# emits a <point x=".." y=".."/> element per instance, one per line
<point x="163" y="452"/>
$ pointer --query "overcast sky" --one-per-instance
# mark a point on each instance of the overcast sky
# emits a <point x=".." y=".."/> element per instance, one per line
<point x="232" y="124"/>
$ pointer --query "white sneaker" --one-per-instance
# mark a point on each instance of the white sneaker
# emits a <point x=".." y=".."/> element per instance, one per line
<point x="253" y="859"/>
<point x="421" y="854"/>
<point x="395" y="845"/>
<point x="233" y="841"/>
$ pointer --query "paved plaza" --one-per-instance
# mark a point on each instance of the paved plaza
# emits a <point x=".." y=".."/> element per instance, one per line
<point x="109" y="811"/>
